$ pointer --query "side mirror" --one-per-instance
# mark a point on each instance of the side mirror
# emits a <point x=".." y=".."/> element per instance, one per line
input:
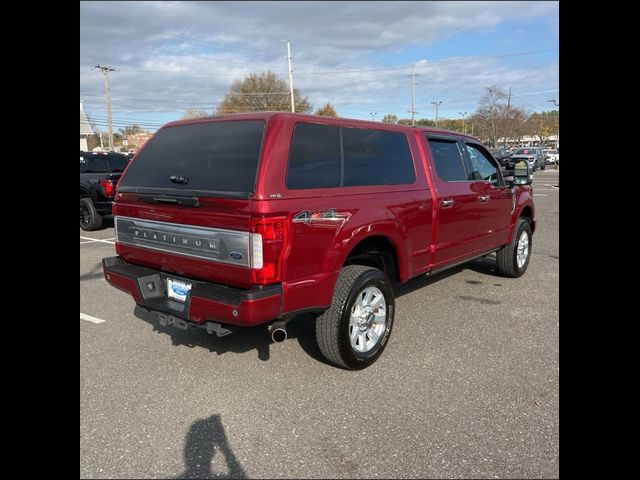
<point x="522" y="174"/>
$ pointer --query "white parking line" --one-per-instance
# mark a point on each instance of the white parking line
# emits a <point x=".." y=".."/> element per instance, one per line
<point x="91" y="319"/>
<point x="91" y="240"/>
<point x="539" y="195"/>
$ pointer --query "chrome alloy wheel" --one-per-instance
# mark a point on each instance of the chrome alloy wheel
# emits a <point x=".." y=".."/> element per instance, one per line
<point x="368" y="319"/>
<point x="523" y="249"/>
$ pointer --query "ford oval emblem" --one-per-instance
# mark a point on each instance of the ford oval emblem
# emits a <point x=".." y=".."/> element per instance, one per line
<point x="235" y="255"/>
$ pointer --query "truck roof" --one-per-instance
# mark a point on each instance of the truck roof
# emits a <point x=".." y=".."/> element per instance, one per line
<point x="331" y="120"/>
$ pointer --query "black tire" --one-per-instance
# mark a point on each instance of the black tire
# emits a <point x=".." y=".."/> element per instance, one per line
<point x="89" y="218"/>
<point x="332" y="327"/>
<point x="507" y="256"/>
<point x="544" y="165"/>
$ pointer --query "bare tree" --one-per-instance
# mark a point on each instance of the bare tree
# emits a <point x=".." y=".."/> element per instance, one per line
<point x="130" y="130"/>
<point x="489" y="118"/>
<point x="194" y="113"/>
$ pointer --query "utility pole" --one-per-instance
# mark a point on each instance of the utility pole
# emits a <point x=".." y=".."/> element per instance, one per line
<point x="413" y="94"/>
<point x="293" y="107"/>
<point x="105" y="72"/>
<point x="464" y="128"/>
<point x="436" y="104"/>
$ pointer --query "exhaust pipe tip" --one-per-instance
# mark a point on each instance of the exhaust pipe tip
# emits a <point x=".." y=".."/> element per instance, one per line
<point x="279" y="335"/>
<point x="278" y="332"/>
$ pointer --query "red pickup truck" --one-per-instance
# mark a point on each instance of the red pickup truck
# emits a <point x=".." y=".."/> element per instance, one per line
<point x="255" y="218"/>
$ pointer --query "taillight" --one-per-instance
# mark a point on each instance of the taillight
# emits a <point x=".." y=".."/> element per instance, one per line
<point x="108" y="188"/>
<point x="268" y="245"/>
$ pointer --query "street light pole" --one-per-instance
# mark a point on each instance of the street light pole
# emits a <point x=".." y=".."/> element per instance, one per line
<point x="373" y="116"/>
<point x="464" y="128"/>
<point x="558" y="134"/>
<point x="436" y="104"/>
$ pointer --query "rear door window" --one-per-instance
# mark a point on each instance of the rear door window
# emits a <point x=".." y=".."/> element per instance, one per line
<point x="96" y="164"/>
<point x="117" y="163"/>
<point x="448" y="160"/>
<point x="375" y="157"/>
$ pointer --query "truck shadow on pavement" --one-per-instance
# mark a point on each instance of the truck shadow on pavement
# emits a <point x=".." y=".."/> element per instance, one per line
<point x="484" y="265"/>
<point x="205" y="438"/>
<point x="302" y="328"/>
<point x="95" y="272"/>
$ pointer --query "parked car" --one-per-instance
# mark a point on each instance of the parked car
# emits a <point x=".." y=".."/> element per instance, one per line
<point x="533" y="155"/>
<point x="99" y="173"/>
<point x="502" y="156"/>
<point x="253" y="219"/>
<point x="552" y="157"/>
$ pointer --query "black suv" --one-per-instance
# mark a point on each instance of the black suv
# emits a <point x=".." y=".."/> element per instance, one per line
<point x="99" y="173"/>
<point x="502" y="157"/>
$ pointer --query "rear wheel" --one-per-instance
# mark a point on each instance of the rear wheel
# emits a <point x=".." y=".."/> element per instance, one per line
<point x="513" y="259"/>
<point x="89" y="218"/>
<point x="353" y="332"/>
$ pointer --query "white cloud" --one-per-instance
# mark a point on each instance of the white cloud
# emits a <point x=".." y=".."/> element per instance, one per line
<point x="188" y="53"/>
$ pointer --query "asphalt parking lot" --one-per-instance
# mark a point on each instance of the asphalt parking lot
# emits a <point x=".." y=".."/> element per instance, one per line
<point x="467" y="388"/>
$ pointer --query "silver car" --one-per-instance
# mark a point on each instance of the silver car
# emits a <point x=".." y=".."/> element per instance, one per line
<point x="533" y="155"/>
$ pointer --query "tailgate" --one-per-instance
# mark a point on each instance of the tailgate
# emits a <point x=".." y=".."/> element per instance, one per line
<point x="208" y="242"/>
<point x="183" y="203"/>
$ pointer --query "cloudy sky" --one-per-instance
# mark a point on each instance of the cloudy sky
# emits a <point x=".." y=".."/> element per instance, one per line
<point x="171" y="56"/>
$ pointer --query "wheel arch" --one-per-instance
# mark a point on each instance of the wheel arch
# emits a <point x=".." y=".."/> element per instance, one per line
<point x="378" y="251"/>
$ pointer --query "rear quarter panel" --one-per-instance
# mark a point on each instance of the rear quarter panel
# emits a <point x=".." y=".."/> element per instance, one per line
<point x="320" y="246"/>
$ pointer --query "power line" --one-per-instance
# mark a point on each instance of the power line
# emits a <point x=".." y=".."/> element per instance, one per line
<point x="208" y="44"/>
<point x="434" y="63"/>
<point x="220" y="60"/>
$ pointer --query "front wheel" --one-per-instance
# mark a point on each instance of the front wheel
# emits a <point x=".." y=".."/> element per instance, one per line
<point x="513" y="259"/>
<point x="353" y="332"/>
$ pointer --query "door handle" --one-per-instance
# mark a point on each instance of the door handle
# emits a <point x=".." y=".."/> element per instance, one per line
<point x="484" y="198"/>
<point x="446" y="203"/>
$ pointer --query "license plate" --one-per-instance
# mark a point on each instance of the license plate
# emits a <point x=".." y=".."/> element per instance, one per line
<point x="177" y="290"/>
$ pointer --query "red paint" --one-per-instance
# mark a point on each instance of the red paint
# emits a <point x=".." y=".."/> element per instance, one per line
<point x="248" y="313"/>
<point x="306" y="257"/>
<point x="125" y="284"/>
